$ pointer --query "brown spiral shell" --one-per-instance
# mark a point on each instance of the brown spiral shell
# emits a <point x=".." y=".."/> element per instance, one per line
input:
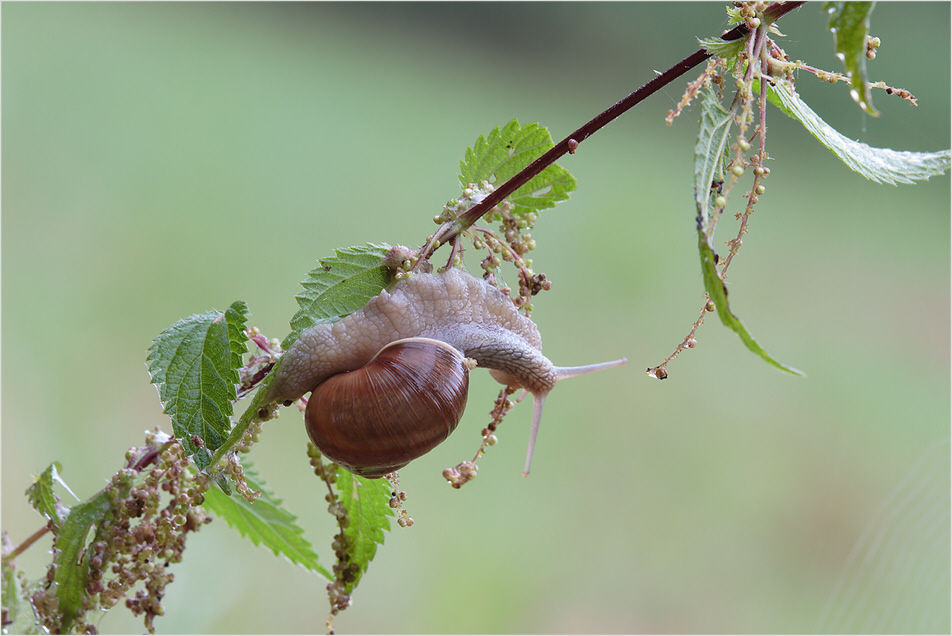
<point x="400" y="405"/>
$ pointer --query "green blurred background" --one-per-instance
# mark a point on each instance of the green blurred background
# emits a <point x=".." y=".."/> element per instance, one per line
<point x="163" y="159"/>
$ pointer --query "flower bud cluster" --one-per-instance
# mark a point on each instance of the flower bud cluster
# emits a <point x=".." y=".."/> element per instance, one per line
<point x="259" y="364"/>
<point x="346" y="572"/>
<point x="234" y="470"/>
<point x="461" y="473"/>
<point x="465" y="471"/>
<point x="397" y="497"/>
<point x="509" y="244"/>
<point x="155" y="501"/>
<point x="472" y="194"/>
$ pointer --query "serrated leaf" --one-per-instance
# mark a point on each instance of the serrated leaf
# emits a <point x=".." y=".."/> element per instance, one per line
<point x="236" y="316"/>
<point x="488" y="155"/>
<point x="194" y="364"/>
<point x="18" y="614"/>
<point x="504" y="153"/>
<point x="734" y="16"/>
<point x="41" y="496"/>
<point x="727" y="49"/>
<point x="368" y="510"/>
<point x="72" y="566"/>
<point x="266" y="522"/>
<point x="340" y="286"/>
<point x="849" y="22"/>
<point x="710" y="152"/>
<point x="881" y="165"/>
<point x="718" y="293"/>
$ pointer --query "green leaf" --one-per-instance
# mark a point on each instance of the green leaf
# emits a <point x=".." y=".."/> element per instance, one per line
<point x="194" y="364"/>
<point x="488" y="155"/>
<point x="849" y="22"/>
<point x="368" y="510"/>
<point x="711" y="152"/>
<point x="18" y="615"/>
<point x="711" y="155"/>
<point x="504" y="153"/>
<point x="718" y="293"/>
<point x="41" y="496"/>
<point x="881" y="165"/>
<point x="236" y="316"/>
<point x="727" y="49"/>
<point x="340" y="286"/>
<point x="266" y="522"/>
<point x="72" y="564"/>
<point x="734" y="16"/>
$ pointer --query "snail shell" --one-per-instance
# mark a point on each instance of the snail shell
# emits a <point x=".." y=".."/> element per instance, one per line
<point x="407" y="383"/>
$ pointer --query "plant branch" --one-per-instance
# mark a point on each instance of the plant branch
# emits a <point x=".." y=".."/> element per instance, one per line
<point x="20" y="549"/>
<point x="451" y="229"/>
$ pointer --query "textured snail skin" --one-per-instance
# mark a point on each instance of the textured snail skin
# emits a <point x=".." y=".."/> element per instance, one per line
<point x="454" y="307"/>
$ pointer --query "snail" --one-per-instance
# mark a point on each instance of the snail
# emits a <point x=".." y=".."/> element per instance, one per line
<point x="388" y="382"/>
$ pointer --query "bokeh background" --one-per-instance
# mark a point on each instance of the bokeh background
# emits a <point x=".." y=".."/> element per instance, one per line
<point x="163" y="159"/>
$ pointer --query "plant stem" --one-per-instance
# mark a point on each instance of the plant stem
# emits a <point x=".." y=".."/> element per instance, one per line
<point x="20" y="549"/>
<point x="452" y="228"/>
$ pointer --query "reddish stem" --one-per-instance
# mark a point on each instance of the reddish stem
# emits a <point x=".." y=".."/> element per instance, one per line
<point x="572" y="141"/>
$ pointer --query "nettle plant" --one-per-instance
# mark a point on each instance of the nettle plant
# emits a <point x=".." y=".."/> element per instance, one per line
<point x="385" y="340"/>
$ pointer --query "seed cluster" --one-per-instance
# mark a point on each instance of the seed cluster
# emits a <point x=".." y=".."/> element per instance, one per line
<point x="234" y="470"/>
<point x="508" y="244"/>
<point x="258" y="364"/>
<point x="345" y="571"/>
<point x="397" y="497"/>
<point x="465" y="471"/>
<point x="155" y="501"/>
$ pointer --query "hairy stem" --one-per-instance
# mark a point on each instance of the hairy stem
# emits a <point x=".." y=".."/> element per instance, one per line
<point x="452" y="228"/>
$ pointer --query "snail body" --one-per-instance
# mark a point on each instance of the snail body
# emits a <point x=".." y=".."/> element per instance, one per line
<point x="453" y="308"/>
